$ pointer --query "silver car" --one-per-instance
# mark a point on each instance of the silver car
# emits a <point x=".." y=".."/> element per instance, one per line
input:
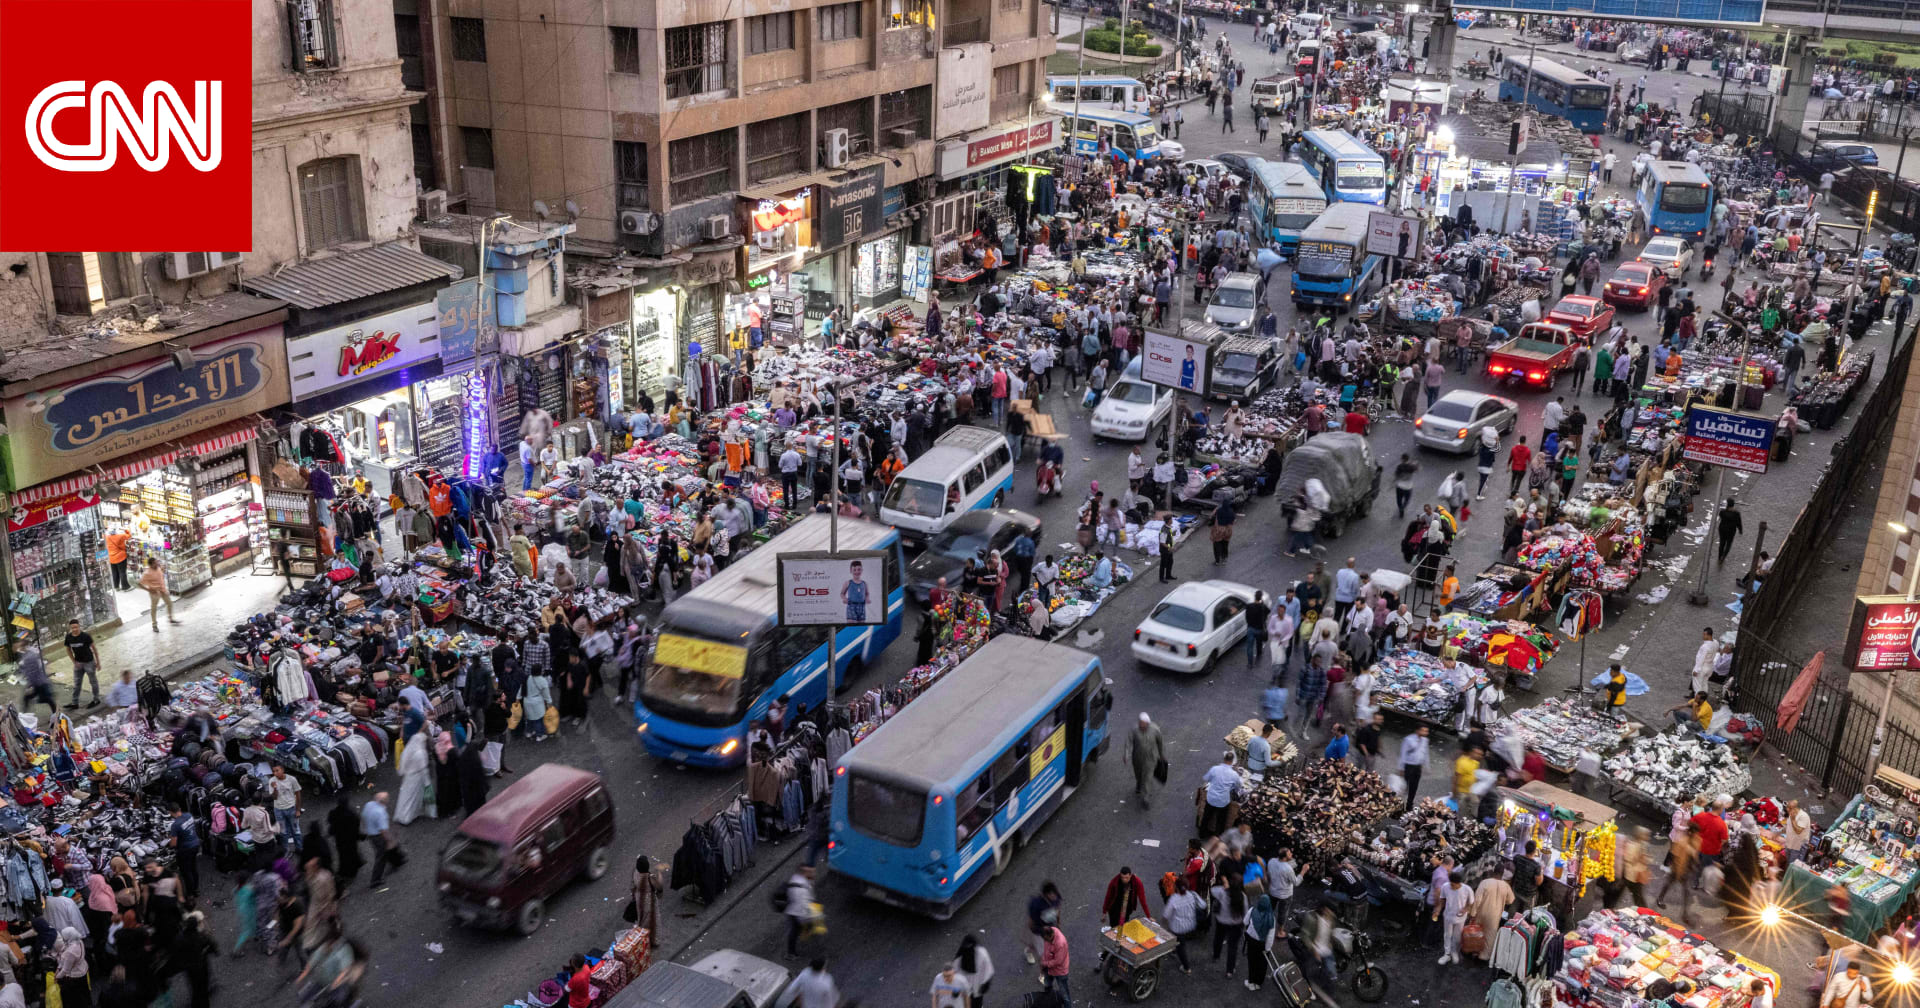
<point x="1236" y="304"/>
<point x="1454" y="422"/>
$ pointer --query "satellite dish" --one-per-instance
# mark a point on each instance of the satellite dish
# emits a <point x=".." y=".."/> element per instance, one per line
<point x="573" y="210"/>
<point x="540" y="209"/>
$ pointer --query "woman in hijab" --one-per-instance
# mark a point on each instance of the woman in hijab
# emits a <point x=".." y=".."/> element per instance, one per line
<point x="414" y="763"/>
<point x="646" y="899"/>
<point x="473" y="775"/>
<point x="446" y="772"/>
<point x="13" y="996"/>
<point x="70" y="968"/>
<point x="190" y="956"/>
<point x="610" y="558"/>
<point x="573" y="687"/>
<point x="1261" y="926"/>
<point x="344" y="823"/>
<point x="98" y="910"/>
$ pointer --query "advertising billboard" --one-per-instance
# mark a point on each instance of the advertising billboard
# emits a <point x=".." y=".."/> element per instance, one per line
<point x="1176" y="361"/>
<point x="1885" y="639"/>
<point x="965" y="100"/>
<point x="1392" y="235"/>
<point x="847" y="588"/>
<point x="1725" y="438"/>
<point x="1683" y="12"/>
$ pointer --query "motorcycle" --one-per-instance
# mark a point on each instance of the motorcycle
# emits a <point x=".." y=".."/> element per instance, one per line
<point x="1353" y="953"/>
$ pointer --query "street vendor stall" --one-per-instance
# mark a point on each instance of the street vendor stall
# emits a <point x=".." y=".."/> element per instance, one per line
<point x="1317" y="811"/>
<point x="1869" y="849"/>
<point x="1401" y="854"/>
<point x="1659" y="771"/>
<point x="1574" y="838"/>
<point x="1559" y="728"/>
<point x="1413" y="684"/>
<point x="1506" y="592"/>
<point x="1616" y="957"/>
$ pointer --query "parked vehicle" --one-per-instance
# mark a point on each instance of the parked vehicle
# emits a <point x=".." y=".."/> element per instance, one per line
<point x="974" y="534"/>
<point x="1634" y="283"/>
<point x="1835" y="155"/>
<point x="1244" y="367"/>
<point x="524" y="845"/>
<point x="1453" y="423"/>
<point x="1536" y="356"/>
<point x="1194" y="625"/>
<point x="1345" y="466"/>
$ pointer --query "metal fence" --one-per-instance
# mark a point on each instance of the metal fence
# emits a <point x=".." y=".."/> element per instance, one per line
<point x="1830" y="742"/>
<point x="1899" y="203"/>
<point x="1745" y="113"/>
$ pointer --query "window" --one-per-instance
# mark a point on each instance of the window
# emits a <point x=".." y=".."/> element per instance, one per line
<point x="776" y="147"/>
<point x="1226" y="610"/>
<point x="552" y="835"/>
<point x="422" y="136"/>
<point x="312" y="35"/>
<point x="330" y="202"/>
<point x="769" y="33"/>
<point x="626" y="49"/>
<point x="630" y="169"/>
<point x="1006" y="80"/>
<point x="1012" y="5"/>
<point x="470" y="40"/>
<point x="700" y="166"/>
<point x="406" y="44"/>
<point x="856" y="117"/>
<point x="905" y="110"/>
<point x="902" y="13"/>
<point x="972" y="807"/>
<point x="840" y="22"/>
<point x="477" y="145"/>
<point x="83" y="281"/>
<point x="999" y="458"/>
<point x="696" y="59"/>
<point x="886" y="811"/>
<point x="792" y="645"/>
<point x="971" y="479"/>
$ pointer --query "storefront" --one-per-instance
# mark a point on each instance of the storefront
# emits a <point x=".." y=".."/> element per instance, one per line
<point x="783" y="265"/>
<point x="354" y="390"/>
<point x="157" y="442"/>
<point x="651" y="349"/>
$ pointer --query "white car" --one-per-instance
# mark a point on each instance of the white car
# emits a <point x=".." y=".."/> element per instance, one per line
<point x="1237" y="302"/>
<point x="1453" y="423"/>
<point x="1172" y="150"/>
<point x="1131" y="407"/>
<point x="1193" y="625"/>
<point x="1669" y="253"/>
<point x="1207" y="166"/>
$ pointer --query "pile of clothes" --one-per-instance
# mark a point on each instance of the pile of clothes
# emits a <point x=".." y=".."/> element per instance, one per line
<point x="1412" y="682"/>
<point x="1559" y="728"/>
<point x="1617" y="957"/>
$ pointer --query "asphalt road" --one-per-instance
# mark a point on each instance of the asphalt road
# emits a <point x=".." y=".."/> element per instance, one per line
<point x="887" y="957"/>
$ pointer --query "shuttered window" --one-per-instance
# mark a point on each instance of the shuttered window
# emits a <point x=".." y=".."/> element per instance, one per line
<point x="701" y="166"/>
<point x="330" y="202"/>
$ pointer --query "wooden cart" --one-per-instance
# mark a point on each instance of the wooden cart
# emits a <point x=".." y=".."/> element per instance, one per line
<point x="1132" y="954"/>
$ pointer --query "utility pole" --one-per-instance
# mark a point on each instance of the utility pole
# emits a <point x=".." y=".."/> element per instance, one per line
<point x="833" y="547"/>
<point x="1079" y="72"/>
<point x="1513" y="160"/>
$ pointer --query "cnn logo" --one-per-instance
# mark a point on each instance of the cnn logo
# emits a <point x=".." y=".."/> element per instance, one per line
<point x="121" y="143"/>
<point x="150" y="131"/>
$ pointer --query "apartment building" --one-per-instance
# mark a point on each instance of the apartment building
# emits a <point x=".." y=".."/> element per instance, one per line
<point x="724" y="149"/>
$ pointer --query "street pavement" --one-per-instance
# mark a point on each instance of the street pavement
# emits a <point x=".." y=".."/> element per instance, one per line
<point x="887" y="957"/>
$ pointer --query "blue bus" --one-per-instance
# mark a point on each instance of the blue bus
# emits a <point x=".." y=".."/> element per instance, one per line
<point x="721" y="659"/>
<point x="1677" y="199"/>
<point x="1132" y="135"/>
<point x="1097" y="90"/>
<point x="932" y="804"/>
<point x="1347" y="170"/>
<point x="1558" y="90"/>
<point x="1332" y="267"/>
<point x="1284" y="199"/>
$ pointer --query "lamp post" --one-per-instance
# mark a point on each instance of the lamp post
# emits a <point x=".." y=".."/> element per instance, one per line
<point x="1893" y="675"/>
<point x="1513" y="160"/>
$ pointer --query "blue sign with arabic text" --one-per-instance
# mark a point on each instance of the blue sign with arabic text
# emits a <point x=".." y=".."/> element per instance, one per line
<point x="1725" y="438"/>
<point x="84" y="415"/>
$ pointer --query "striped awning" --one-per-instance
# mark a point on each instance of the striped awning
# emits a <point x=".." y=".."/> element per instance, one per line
<point x="224" y="436"/>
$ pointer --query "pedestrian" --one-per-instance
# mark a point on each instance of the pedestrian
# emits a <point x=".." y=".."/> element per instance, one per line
<point x="1261" y="123"/>
<point x="1413" y="761"/>
<point x="1451" y="908"/>
<point x="1490" y="900"/>
<point x="1043" y="912"/>
<point x="191" y="955"/>
<point x="1730" y="528"/>
<point x="154" y="580"/>
<point x="1527" y="876"/>
<point x="285" y="792"/>
<point x="950" y="989"/>
<point x="1126" y="898"/>
<point x="976" y="968"/>
<point x="798" y="908"/>
<point x="1222" y="530"/>
<point x="79" y="645"/>
<point x="343" y="824"/>
<point x="1255" y="616"/>
<point x="1147" y="753"/>
<point x="1228" y="899"/>
<point x="1262" y="924"/>
<point x="813" y="987"/>
<point x="1222" y="786"/>
<point x="1166" y="548"/>
<point x="1182" y="915"/>
<point x="70" y="969"/>
<point x="1054" y="964"/>
<point x="183" y="835"/>
<point x="33" y="670"/>
<point x="376" y="826"/>
<point x="1517" y="458"/>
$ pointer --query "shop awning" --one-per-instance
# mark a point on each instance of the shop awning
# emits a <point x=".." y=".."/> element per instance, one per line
<point x="225" y="436"/>
<point x="350" y="276"/>
<point x="776" y="189"/>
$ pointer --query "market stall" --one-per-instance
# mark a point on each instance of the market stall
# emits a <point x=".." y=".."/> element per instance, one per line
<point x="1401" y="854"/>
<point x="1560" y="728"/>
<point x="1659" y="771"/>
<point x="1574" y="838"/>
<point x="1870" y="850"/>
<point x="1317" y="811"/>
<point x="1633" y="956"/>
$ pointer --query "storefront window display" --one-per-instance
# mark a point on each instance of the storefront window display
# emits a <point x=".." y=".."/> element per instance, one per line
<point x="59" y="568"/>
<point x="655" y="320"/>
<point x="437" y="421"/>
<point x="375" y="437"/>
<point x="779" y="229"/>
<point x="876" y="274"/>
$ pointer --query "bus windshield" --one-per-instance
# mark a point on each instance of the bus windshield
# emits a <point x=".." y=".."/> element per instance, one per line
<point x="1324" y="266"/>
<point x="1353" y="177"/>
<point x="1683" y="198"/>
<point x="1590" y="97"/>
<point x="916" y="497"/>
<point x="1296" y="214"/>
<point x="696" y="680"/>
<point x="886" y="811"/>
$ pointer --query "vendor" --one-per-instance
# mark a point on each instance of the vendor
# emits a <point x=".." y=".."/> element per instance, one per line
<point x="1694" y="711"/>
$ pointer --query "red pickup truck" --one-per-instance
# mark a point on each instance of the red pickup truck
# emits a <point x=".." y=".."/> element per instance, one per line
<point x="1536" y="356"/>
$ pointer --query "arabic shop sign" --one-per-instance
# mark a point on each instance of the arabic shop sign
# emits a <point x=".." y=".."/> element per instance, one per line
<point x="58" y="431"/>
<point x="1725" y="438"/>
<point x="466" y="322"/>
<point x="1885" y="635"/>
<point x="346" y="354"/>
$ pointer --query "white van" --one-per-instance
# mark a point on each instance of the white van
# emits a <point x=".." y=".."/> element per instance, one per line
<point x="1309" y="24"/>
<point x="1131" y="407"/>
<point x="967" y="468"/>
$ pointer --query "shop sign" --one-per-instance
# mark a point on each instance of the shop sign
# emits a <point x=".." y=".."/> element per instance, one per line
<point x="56" y="431"/>
<point x="40" y="512"/>
<point x="610" y="309"/>
<point x="772" y="215"/>
<point x="466" y="322"/>
<point x="1725" y="438"/>
<point x="851" y="210"/>
<point x="476" y="421"/>
<point x="1886" y="638"/>
<point x="378" y="345"/>
<point x="761" y="280"/>
<point x="965" y="101"/>
<point x="985" y="150"/>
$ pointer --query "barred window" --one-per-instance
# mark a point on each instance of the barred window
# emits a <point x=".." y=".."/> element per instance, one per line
<point x="905" y="110"/>
<point x="776" y="147"/>
<point x="701" y="166"/>
<point x="841" y="21"/>
<point x="630" y="169"/>
<point x="696" y="59"/>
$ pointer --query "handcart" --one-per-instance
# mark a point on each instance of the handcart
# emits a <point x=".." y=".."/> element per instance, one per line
<point x="1133" y="952"/>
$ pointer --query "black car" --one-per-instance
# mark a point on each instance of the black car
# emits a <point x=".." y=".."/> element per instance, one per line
<point x="1236" y="162"/>
<point x="974" y="534"/>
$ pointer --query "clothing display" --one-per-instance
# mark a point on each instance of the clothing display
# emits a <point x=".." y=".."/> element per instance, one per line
<point x="1619" y="958"/>
<point x="1560" y="728"/>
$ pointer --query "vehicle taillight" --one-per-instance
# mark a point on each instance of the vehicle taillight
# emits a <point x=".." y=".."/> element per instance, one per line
<point x="1422" y="422"/>
<point x="1643" y="290"/>
<point x="1496" y="369"/>
<point x="1535" y="375"/>
<point x="1462" y="432"/>
<point x="1136" y="633"/>
<point x="1191" y="651"/>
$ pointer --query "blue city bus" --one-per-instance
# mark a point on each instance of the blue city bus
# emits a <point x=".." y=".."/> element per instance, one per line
<point x="1284" y="199"/>
<point x="1332" y="267"/>
<point x="722" y="659"/>
<point x="1347" y="170"/>
<point x="1098" y="90"/>
<point x="1677" y="199"/>
<point x="1132" y="135"/>
<point x="933" y="803"/>
<point x="1558" y="90"/>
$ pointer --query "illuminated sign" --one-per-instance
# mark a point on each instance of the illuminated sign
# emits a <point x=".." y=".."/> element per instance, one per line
<point x="385" y="343"/>
<point x="759" y="280"/>
<point x="695" y="655"/>
<point x="476" y="416"/>
<point x="773" y="214"/>
<point x="364" y="351"/>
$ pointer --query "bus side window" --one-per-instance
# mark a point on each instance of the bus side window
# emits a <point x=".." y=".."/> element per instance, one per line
<point x="1009" y="772"/>
<point x="894" y="560"/>
<point x="1123" y="138"/>
<point x="973" y="807"/>
<point x="791" y="645"/>
<point x="971" y="480"/>
<point x="999" y="459"/>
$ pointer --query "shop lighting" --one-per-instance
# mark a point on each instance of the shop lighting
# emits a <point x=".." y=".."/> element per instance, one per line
<point x="1771" y="915"/>
<point x="1898" y="529"/>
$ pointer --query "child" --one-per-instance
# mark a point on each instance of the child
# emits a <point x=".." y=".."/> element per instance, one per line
<point x="854" y="594"/>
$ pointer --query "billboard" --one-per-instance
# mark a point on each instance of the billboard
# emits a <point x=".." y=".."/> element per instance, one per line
<point x="963" y="102"/>
<point x="1684" y="12"/>
<point x="1884" y="639"/>
<point x="1392" y="235"/>
<point x="1175" y="361"/>
<point x="1725" y="438"/>
<point x="833" y="589"/>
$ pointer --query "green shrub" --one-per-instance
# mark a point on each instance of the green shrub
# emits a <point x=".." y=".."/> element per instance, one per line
<point x="1101" y="40"/>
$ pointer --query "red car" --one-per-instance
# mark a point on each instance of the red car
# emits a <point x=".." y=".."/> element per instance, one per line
<point x="1584" y="315"/>
<point x="1635" y="283"/>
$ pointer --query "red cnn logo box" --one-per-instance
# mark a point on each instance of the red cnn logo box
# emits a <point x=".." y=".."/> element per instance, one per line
<point x="125" y="125"/>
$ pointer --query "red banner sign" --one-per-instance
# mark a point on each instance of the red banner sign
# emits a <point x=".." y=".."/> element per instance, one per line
<point x="1887" y="636"/>
<point x="1035" y="137"/>
<point x="40" y="512"/>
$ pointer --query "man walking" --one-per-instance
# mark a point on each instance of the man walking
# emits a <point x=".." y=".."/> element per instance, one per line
<point x="376" y="825"/>
<point x="1517" y="458"/>
<point x="1146" y="753"/>
<point x="286" y="804"/>
<point x="1256" y="616"/>
<point x="33" y="670"/>
<point x="1729" y="529"/>
<point x="80" y="648"/>
<point x="1413" y="761"/>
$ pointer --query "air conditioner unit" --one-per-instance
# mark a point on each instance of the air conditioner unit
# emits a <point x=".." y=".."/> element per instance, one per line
<point x="839" y="145"/>
<point x="639" y="222"/>
<point x="902" y="138"/>
<point x="433" y="203"/>
<point x="181" y="265"/>
<point x="715" y="227"/>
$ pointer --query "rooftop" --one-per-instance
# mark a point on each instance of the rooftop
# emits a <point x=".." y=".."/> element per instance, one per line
<point x="336" y="279"/>
<point x="39" y="353"/>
